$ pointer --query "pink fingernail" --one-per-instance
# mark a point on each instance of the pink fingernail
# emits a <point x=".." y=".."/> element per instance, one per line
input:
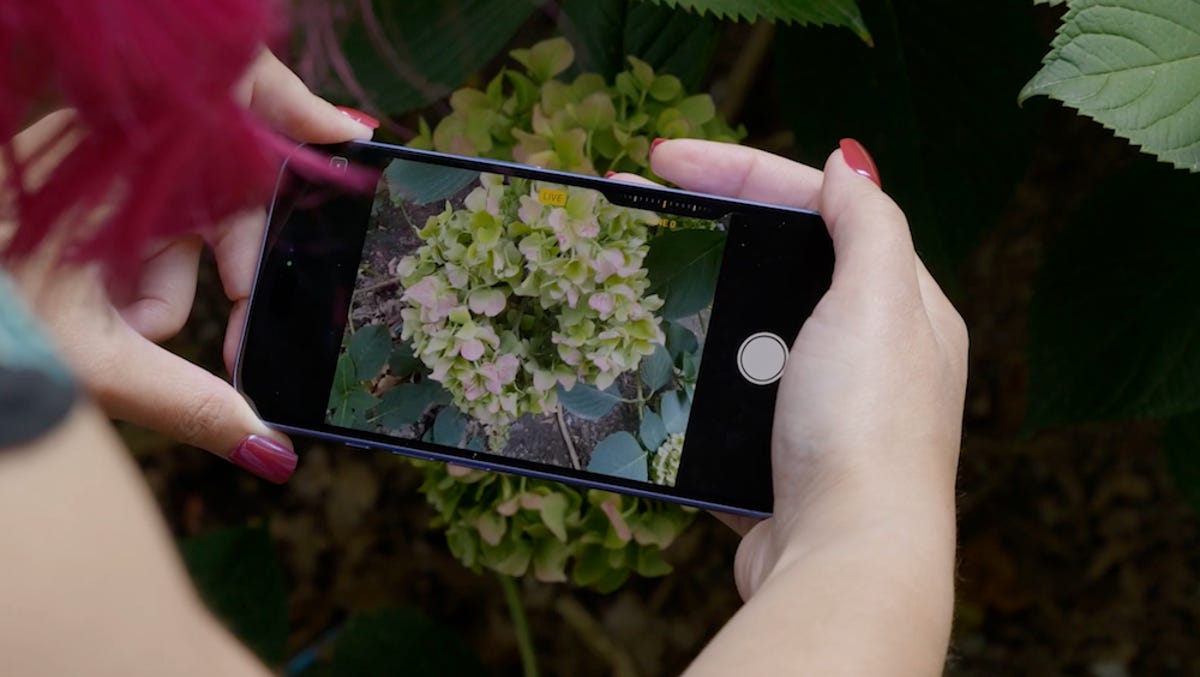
<point x="265" y="457"/>
<point x="609" y="175"/>
<point x="654" y="144"/>
<point x="359" y="117"/>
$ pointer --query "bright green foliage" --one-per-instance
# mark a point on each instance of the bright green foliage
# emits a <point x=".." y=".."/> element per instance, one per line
<point x="586" y="125"/>
<point x="517" y="525"/>
<point x="509" y="296"/>
<point x="1134" y="67"/>
<point x="816" y="12"/>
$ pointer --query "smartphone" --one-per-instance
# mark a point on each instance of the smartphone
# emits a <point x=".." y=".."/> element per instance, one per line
<point x="606" y="334"/>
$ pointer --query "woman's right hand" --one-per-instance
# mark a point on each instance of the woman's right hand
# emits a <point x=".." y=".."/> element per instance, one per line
<point x="865" y="442"/>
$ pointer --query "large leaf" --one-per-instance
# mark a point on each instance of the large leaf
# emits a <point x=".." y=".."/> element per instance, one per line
<point x="683" y="266"/>
<point x="934" y="103"/>
<point x="406" y="403"/>
<point x="1134" y="67"/>
<point x="403" y="641"/>
<point x="619" y="455"/>
<point x="423" y="183"/>
<point x="1181" y="444"/>
<point x="588" y="401"/>
<point x="369" y="348"/>
<point x="1114" y="323"/>
<point x="604" y="32"/>
<point x="408" y="54"/>
<point x="238" y="574"/>
<point x="817" y="12"/>
<point x="656" y="369"/>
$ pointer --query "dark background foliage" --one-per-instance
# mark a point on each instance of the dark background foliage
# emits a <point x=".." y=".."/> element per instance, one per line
<point x="1066" y="251"/>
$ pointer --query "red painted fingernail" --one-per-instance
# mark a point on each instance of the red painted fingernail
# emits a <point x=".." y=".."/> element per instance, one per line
<point x="609" y="175"/>
<point x="858" y="159"/>
<point x="654" y="143"/>
<point x="265" y="457"/>
<point x="359" y="117"/>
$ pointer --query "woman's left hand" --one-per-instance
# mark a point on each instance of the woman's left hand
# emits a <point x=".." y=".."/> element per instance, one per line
<point x="110" y="339"/>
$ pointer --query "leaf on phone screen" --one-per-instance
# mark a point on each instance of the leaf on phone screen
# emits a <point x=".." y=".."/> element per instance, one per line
<point x="369" y="348"/>
<point x="652" y="431"/>
<point x="680" y="341"/>
<point x="619" y="455"/>
<point x="344" y="380"/>
<point x="351" y="412"/>
<point x="423" y="183"/>
<point x="406" y="403"/>
<point x="402" y="362"/>
<point x="675" y="410"/>
<point x="683" y="266"/>
<point x="449" y="427"/>
<point x="588" y="401"/>
<point x="657" y="369"/>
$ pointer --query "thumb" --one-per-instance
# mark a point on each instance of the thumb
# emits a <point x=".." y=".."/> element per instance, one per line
<point x="154" y="388"/>
<point x="872" y="245"/>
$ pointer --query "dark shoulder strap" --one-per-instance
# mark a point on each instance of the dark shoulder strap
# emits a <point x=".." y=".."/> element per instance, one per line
<point x="36" y="392"/>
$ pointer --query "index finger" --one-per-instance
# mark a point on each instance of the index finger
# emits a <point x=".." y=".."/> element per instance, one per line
<point x="736" y="171"/>
<point x="282" y="100"/>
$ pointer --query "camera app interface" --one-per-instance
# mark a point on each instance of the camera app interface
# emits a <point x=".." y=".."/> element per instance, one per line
<point x="527" y="319"/>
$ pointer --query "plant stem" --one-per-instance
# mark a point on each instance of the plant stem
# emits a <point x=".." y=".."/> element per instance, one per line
<point x="562" y="426"/>
<point x="516" y="611"/>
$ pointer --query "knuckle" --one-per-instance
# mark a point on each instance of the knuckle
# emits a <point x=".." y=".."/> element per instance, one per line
<point x="201" y="416"/>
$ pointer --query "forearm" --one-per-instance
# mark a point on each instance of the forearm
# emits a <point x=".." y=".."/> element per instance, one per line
<point x="91" y="582"/>
<point x="862" y="589"/>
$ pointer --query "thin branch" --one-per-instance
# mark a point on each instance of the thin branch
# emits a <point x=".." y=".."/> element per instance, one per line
<point x="562" y="426"/>
<point x="592" y="633"/>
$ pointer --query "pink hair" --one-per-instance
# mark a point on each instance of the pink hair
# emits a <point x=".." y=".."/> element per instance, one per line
<point x="163" y="144"/>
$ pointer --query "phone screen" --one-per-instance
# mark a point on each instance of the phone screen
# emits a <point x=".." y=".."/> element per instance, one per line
<point x="528" y="319"/>
<point x="554" y="325"/>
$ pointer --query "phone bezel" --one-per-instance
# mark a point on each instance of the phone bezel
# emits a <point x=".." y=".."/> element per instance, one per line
<point x="657" y="198"/>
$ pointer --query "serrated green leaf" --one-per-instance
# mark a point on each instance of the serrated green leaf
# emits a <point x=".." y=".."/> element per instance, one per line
<point x="619" y="455"/>
<point x="588" y="401"/>
<point x="656" y="369"/>
<point x="369" y="348"/>
<point x="1181" y="445"/>
<point x="375" y="643"/>
<point x="811" y="12"/>
<point x="238" y="574"/>
<point x="1134" y="67"/>
<point x="683" y="267"/>
<point x="1114" y="321"/>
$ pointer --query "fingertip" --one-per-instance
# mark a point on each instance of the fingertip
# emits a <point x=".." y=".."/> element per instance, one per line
<point x="266" y="457"/>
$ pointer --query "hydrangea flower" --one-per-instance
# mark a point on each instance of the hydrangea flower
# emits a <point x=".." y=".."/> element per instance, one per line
<point x="508" y="296"/>
<point x="665" y="464"/>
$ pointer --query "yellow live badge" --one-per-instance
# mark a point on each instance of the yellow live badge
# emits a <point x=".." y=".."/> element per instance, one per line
<point x="553" y="197"/>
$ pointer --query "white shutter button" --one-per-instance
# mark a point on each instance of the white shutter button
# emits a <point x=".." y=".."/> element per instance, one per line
<point x="761" y="358"/>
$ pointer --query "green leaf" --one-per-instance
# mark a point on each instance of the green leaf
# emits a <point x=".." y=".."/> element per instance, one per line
<point x="423" y="183"/>
<point x="344" y="381"/>
<point x="406" y="403"/>
<point x="815" y="12"/>
<point x="546" y="59"/>
<point x="238" y="574"/>
<point x="405" y="641"/>
<point x="369" y="348"/>
<point x="656" y="369"/>
<point x="1134" y="67"/>
<point x="619" y="455"/>
<point x="1114" y="322"/>
<point x="675" y="409"/>
<point x="604" y="32"/>
<point x="651" y="564"/>
<point x="423" y="50"/>
<point x="449" y="427"/>
<point x="588" y="401"/>
<point x="683" y="266"/>
<point x="550" y="560"/>
<point x="680" y="340"/>
<point x="554" y="515"/>
<point x="1181" y="445"/>
<point x="939" y="81"/>
<point x="402" y="361"/>
<point x="652" y="430"/>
